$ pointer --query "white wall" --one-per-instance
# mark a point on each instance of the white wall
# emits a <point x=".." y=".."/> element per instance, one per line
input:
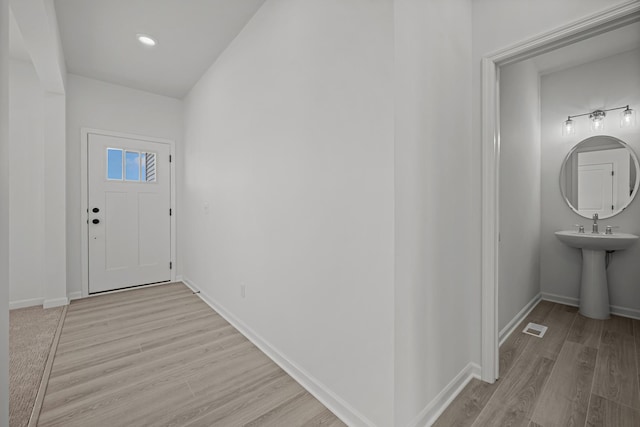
<point x="573" y="91"/>
<point x="26" y="118"/>
<point x="36" y="22"/>
<point x="519" y="266"/>
<point x="38" y="26"/>
<point x="434" y="304"/>
<point x="5" y="165"/>
<point x="498" y="24"/>
<point x="289" y="140"/>
<point x="99" y="105"/>
<point x="55" y="243"/>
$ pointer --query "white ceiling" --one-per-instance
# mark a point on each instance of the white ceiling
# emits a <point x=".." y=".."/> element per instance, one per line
<point x="99" y="39"/>
<point x="601" y="46"/>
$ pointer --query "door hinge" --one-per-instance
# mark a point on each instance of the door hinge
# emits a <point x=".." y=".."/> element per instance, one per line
<point x="612" y="173"/>
<point x="170" y="265"/>
<point x="169" y="158"/>
<point x="170" y="212"/>
<point x="612" y="207"/>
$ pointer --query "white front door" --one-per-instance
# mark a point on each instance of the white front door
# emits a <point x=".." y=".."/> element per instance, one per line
<point x="129" y="224"/>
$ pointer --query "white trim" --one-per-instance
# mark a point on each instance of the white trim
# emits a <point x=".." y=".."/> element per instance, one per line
<point x="625" y="312"/>
<point x="194" y="288"/>
<point x="328" y="398"/>
<point x="490" y="213"/>
<point x="32" y="302"/>
<point x="436" y="407"/>
<point x="84" y="191"/>
<point x="513" y="324"/>
<point x="582" y="29"/>
<point x="575" y="302"/>
<point x="55" y="302"/>
<point x="74" y="295"/>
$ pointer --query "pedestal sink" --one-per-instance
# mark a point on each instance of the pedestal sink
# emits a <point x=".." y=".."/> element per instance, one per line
<point x="594" y="290"/>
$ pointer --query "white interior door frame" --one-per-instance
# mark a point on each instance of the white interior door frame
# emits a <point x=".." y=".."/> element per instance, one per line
<point x="589" y="26"/>
<point x="84" y="188"/>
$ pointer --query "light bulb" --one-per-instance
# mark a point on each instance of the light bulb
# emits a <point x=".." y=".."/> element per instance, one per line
<point x="628" y="118"/>
<point x="597" y="120"/>
<point x="597" y="126"/>
<point x="568" y="127"/>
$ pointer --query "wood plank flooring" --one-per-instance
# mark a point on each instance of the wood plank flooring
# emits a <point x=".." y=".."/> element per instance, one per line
<point x="583" y="372"/>
<point x="160" y="356"/>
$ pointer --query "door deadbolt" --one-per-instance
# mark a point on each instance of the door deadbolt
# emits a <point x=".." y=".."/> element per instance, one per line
<point x="95" y="210"/>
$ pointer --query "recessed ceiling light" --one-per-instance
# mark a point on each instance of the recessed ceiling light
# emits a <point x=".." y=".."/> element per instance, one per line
<point x="146" y="40"/>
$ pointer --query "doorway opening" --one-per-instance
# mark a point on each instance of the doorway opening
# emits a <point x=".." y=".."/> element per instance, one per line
<point x="584" y="29"/>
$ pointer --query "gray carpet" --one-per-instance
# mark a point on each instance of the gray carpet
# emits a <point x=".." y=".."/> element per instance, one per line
<point x="31" y="332"/>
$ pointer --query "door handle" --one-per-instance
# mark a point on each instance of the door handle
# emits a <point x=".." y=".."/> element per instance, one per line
<point x="96" y="221"/>
<point x="95" y="210"/>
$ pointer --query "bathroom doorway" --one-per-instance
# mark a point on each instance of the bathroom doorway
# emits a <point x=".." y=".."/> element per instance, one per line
<point x="493" y="327"/>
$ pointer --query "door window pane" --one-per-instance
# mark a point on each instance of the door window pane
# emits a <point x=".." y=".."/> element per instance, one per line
<point x="132" y="168"/>
<point x="114" y="163"/>
<point x="148" y="162"/>
<point x="130" y="165"/>
<point x="143" y="169"/>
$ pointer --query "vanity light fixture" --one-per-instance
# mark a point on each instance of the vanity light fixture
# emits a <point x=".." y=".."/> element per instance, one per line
<point x="627" y="119"/>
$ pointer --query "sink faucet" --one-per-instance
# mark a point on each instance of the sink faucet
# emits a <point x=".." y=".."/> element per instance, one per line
<point x="610" y="228"/>
<point x="594" y="227"/>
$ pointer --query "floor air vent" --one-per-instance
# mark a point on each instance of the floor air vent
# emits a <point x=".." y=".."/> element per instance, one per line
<point x="535" y="330"/>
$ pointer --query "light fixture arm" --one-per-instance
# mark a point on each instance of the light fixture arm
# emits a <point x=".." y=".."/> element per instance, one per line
<point x="604" y="111"/>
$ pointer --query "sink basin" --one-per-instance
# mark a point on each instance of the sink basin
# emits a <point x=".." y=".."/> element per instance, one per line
<point x="597" y="242"/>
<point x="594" y="288"/>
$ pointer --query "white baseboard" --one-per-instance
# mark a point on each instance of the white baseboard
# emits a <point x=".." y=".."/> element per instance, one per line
<point x="74" y="295"/>
<point x="436" y="407"/>
<point x="509" y="328"/>
<point x="23" y="303"/>
<point x="625" y="312"/>
<point x="334" y="403"/>
<point x="575" y="302"/>
<point x="55" y="302"/>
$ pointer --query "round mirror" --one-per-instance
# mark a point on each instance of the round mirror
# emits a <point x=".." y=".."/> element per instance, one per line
<point x="599" y="175"/>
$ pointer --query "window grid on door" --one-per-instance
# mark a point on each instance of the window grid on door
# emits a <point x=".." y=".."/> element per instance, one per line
<point x="130" y="165"/>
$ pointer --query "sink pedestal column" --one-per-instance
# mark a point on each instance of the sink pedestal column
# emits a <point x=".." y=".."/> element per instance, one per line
<point x="594" y="289"/>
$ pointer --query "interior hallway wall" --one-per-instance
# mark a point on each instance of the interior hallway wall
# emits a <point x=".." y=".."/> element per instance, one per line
<point x="105" y="106"/>
<point x="568" y="92"/>
<point x="288" y="190"/>
<point x="434" y="304"/>
<point x="519" y="265"/>
<point x="27" y="206"/>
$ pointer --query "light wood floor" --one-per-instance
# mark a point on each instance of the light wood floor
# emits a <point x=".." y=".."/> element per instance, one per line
<point x="160" y="356"/>
<point x="583" y="372"/>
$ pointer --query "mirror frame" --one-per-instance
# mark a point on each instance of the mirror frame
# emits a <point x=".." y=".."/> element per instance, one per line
<point x="635" y="188"/>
